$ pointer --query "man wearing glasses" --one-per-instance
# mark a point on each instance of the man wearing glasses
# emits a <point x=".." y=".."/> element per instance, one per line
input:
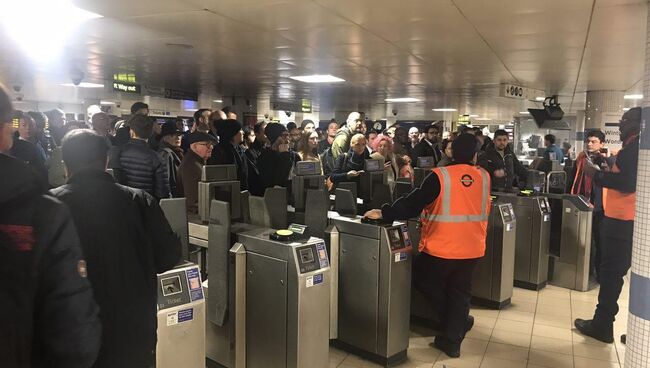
<point x="201" y="145"/>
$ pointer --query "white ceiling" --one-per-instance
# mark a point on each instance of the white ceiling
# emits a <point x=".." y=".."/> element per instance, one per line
<point x="449" y="53"/>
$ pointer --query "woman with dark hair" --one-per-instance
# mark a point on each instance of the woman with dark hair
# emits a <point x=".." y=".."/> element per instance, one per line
<point x="307" y="147"/>
<point x="249" y="137"/>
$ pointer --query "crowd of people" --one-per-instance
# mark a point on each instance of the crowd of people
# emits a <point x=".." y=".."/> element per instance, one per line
<point x="72" y="237"/>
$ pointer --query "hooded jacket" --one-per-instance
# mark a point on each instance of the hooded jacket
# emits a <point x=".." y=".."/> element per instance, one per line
<point x="47" y="312"/>
<point x="126" y="240"/>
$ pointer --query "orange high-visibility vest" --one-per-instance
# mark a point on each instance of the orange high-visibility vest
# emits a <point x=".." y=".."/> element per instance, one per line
<point x="619" y="205"/>
<point x="454" y="226"/>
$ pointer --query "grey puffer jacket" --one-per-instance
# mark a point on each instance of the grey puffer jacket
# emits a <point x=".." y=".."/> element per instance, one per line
<point x="138" y="166"/>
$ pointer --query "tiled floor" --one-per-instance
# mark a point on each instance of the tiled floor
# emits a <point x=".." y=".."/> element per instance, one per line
<point x="536" y="331"/>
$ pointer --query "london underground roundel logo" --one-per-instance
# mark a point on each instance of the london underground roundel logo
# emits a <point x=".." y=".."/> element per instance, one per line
<point x="466" y="180"/>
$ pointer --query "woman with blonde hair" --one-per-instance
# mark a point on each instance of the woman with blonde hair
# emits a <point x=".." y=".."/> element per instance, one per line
<point x="382" y="149"/>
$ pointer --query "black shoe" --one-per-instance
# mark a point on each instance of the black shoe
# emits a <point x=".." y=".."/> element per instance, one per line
<point x="452" y="350"/>
<point x="470" y="323"/>
<point x="587" y="328"/>
<point x="623" y="339"/>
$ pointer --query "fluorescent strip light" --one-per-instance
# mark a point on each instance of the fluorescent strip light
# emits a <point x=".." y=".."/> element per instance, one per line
<point x="524" y="112"/>
<point x="402" y="99"/>
<point x="626" y="109"/>
<point x="218" y="101"/>
<point x="106" y="103"/>
<point x="444" y="109"/>
<point x="318" y="78"/>
<point x="540" y="98"/>
<point x="473" y="116"/>
<point x="84" y="85"/>
<point x="483" y="119"/>
<point x="633" y="97"/>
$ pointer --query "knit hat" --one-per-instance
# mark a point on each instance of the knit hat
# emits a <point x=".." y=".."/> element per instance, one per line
<point x="464" y="148"/>
<point x="227" y="129"/>
<point x="273" y="131"/>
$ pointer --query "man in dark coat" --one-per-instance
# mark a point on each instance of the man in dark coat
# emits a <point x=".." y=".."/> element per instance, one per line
<point x="126" y="240"/>
<point x="276" y="162"/>
<point x="502" y="164"/>
<point x="229" y="151"/>
<point x="136" y="165"/>
<point x="48" y="316"/>
<point x="428" y="146"/>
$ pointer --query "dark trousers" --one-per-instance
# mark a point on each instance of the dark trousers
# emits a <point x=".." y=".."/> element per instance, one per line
<point x="615" y="261"/>
<point x="447" y="285"/>
<point x="594" y="262"/>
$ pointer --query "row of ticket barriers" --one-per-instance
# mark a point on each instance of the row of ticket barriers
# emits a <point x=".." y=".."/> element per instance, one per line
<point x="274" y="280"/>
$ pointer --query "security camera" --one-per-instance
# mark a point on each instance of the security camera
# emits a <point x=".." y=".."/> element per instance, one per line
<point x="395" y="112"/>
<point x="19" y="97"/>
<point x="76" y="76"/>
<point x="17" y="88"/>
<point x="288" y="113"/>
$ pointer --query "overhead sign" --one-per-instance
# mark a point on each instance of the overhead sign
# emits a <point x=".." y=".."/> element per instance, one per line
<point x="519" y="92"/>
<point x="464" y="119"/>
<point x="126" y="87"/>
<point x="124" y="77"/>
<point x="154" y="91"/>
<point x="177" y="94"/>
<point x="303" y="105"/>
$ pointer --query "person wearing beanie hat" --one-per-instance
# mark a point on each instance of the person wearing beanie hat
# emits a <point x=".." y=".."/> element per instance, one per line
<point x="229" y="150"/>
<point x="453" y="205"/>
<point x="276" y="162"/>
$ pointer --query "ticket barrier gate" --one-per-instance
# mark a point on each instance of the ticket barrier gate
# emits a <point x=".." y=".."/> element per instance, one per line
<point x="493" y="278"/>
<point x="309" y="200"/>
<point x="176" y="213"/>
<point x="371" y="301"/>
<point x="218" y="182"/>
<point x="532" y="239"/>
<point x="424" y="167"/>
<point x="181" y="318"/>
<point x="570" y="241"/>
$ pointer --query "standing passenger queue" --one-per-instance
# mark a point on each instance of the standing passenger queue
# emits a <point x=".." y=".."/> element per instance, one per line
<point x="81" y="240"/>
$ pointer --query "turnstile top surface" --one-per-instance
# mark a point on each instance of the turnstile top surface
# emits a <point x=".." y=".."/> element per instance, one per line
<point x="353" y="225"/>
<point x="310" y="253"/>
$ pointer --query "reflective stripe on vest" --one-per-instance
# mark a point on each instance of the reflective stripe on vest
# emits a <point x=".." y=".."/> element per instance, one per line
<point x="446" y="215"/>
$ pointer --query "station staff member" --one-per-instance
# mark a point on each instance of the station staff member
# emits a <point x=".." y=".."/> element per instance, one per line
<point x="454" y="203"/>
<point x="619" y="201"/>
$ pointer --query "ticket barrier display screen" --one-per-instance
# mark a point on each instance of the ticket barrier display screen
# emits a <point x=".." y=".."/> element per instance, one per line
<point x="181" y="318"/>
<point x="532" y="239"/>
<point x="493" y="278"/>
<point x="570" y="245"/>
<point x="371" y="300"/>
<point x="278" y="305"/>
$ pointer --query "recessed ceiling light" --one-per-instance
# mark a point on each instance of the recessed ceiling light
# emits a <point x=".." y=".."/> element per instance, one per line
<point x="218" y="101"/>
<point x="318" y="78"/>
<point x="524" y="112"/>
<point x="84" y="85"/>
<point x="445" y="109"/>
<point x="633" y="97"/>
<point x="473" y="116"/>
<point x="540" y="98"/>
<point x="626" y="109"/>
<point x="402" y="99"/>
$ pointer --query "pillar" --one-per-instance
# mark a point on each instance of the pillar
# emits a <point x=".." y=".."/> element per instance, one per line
<point x="603" y="111"/>
<point x="637" y="354"/>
